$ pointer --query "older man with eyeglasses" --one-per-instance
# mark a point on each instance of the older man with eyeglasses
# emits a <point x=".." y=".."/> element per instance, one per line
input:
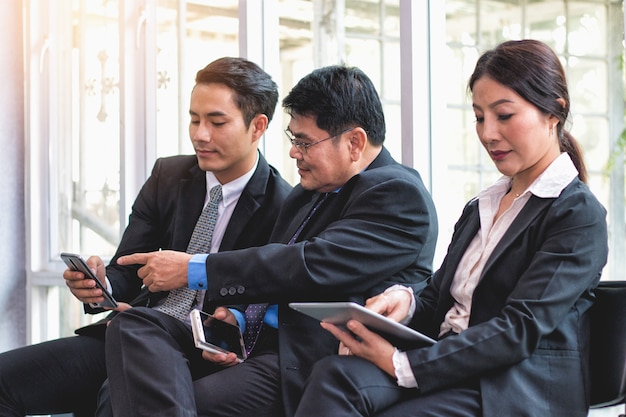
<point x="358" y="223"/>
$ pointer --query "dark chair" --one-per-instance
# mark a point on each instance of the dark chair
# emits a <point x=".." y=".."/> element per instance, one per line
<point x="608" y="345"/>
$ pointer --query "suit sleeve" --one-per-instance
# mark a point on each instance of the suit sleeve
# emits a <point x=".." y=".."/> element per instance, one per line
<point x="377" y="232"/>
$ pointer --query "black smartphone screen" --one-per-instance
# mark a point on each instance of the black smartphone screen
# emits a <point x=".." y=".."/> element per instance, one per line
<point x="222" y="335"/>
<point x="76" y="263"/>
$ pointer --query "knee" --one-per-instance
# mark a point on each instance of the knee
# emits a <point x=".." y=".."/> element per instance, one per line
<point x="127" y="323"/>
<point x="340" y="369"/>
<point x="128" y="318"/>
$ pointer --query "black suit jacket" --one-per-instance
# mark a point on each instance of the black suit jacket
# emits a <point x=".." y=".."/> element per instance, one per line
<point x="379" y="229"/>
<point x="528" y="337"/>
<point x="165" y="213"/>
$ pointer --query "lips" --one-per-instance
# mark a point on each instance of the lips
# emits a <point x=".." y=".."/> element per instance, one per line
<point x="204" y="151"/>
<point x="498" y="155"/>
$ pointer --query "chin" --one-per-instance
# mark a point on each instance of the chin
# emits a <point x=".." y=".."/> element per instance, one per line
<point x="505" y="170"/>
<point x="209" y="165"/>
<point x="307" y="185"/>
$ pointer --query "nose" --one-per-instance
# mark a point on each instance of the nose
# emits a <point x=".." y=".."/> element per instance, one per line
<point x="487" y="131"/>
<point x="200" y="132"/>
<point x="295" y="152"/>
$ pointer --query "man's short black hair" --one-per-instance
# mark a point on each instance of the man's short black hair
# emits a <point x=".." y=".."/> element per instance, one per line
<point x="339" y="97"/>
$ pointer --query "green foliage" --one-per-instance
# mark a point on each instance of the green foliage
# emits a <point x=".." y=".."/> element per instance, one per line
<point x="618" y="150"/>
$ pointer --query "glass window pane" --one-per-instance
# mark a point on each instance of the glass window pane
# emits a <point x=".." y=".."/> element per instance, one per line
<point x="362" y="17"/>
<point x="391" y="23"/>
<point x="461" y="22"/>
<point x="587" y="28"/>
<point x="587" y="81"/>
<point x="391" y="87"/>
<point x="546" y="22"/>
<point x="592" y="133"/>
<point x="211" y="31"/>
<point x="366" y="54"/>
<point x="377" y="53"/>
<point x="394" y="129"/>
<point x="500" y="20"/>
<point x="56" y="313"/>
<point x="462" y="145"/>
<point x="461" y="61"/>
<point x="88" y="148"/>
<point x="297" y="60"/>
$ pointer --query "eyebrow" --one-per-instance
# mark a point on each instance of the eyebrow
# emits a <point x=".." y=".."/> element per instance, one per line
<point x="494" y="104"/>
<point x="211" y="114"/>
<point x="298" y="135"/>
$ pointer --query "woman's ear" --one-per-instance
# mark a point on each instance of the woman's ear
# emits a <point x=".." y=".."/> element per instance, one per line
<point x="562" y="102"/>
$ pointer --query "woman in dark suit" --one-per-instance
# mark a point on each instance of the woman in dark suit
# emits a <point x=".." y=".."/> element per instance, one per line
<point x="509" y="304"/>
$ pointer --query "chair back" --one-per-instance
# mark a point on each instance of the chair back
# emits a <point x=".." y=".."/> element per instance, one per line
<point x="608" y="345"/>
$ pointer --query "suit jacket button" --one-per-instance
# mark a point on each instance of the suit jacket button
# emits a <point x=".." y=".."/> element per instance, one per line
<point x="241" y="289"/>
<point x="223" y="292"/>
<point x="232" y="291"/>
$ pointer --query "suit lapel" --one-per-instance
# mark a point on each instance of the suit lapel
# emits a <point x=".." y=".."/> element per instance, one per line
<point x="248" y="203"/>
<point x="533" y="208"/>
<point x="468" y="226"/>
<point x="298" y="218"/>
<point x="190" y="200"/>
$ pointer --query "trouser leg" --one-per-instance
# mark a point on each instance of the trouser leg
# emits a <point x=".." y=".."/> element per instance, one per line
<point x="59" y="376"/>
<point x="344" y="386"/>
<point x="249" y="389"/>
<point x="151" y="363"/>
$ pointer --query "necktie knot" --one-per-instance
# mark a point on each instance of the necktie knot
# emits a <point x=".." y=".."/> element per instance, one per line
<point x="215" y="194"/>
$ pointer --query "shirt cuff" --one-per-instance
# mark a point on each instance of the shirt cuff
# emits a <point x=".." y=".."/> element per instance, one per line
<point x="402" y="368"/>
<point x="271" y="316"/>
<point x="398" y="287"/>
<point x="241" y="319"/>
<point x="108" y="284"/>
<point x="196" y="272"/>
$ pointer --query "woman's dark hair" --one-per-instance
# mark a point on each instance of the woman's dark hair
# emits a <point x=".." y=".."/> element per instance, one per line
<point x="255" y="91"/>
<point x="339" y="97"/>
<point x="532" y="69"/>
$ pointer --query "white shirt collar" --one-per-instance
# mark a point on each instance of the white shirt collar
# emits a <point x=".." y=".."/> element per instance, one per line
<point x="232" y="190"/>
<point x="549" y="184"/>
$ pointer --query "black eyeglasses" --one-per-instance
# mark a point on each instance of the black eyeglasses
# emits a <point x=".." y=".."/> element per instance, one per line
<point x="304" y="146"/>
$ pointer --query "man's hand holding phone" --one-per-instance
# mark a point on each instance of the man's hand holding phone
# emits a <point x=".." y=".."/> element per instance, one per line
<point x="86" y="280"/>
<point x="226" y="335"/>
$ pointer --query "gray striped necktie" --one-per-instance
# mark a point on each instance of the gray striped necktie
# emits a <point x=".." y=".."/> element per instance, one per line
<point x="179" y="302"/>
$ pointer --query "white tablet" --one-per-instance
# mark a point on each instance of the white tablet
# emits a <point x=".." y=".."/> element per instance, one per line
<point x="339" y="313"/>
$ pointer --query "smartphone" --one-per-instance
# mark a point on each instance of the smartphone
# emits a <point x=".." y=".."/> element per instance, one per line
<point x="216" y="336"/>
<point x="76" y="263"/>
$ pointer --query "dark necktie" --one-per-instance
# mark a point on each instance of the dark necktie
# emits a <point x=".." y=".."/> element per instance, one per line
<point x="256" y="312"/>
<point x="179" y="302"/>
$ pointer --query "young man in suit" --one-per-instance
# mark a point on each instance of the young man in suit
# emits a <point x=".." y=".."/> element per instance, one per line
<point x="357" y="223"/>
<point x="231" y="105"/>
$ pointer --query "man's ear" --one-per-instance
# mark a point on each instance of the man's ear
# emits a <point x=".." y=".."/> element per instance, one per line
<point x="258" y="126"/>
<point x="358" y="142"/>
